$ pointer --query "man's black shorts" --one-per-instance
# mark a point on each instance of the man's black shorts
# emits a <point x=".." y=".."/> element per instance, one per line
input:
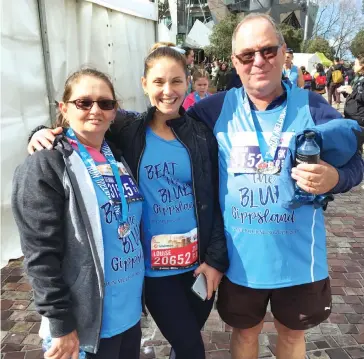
<point x="299" y="307"/>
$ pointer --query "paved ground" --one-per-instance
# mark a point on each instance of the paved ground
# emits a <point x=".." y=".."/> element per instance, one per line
<point x="340" y="337"/>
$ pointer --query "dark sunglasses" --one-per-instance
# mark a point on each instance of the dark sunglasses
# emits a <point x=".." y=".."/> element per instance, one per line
<point x="86" y="104"/>
<point x="266" y="52"/>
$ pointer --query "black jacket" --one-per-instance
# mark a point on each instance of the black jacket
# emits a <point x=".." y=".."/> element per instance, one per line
<point x="128" y="133"/>
<point x="221" y="80"/>
<point x="354" y="105"/>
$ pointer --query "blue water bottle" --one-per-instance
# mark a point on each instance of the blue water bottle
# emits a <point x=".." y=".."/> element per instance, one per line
<point x="307" y="152"/>
<point x="47" y="343"/>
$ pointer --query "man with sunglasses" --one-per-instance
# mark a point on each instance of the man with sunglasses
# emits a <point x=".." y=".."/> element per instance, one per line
<point x="276" y="255"/>
<point x="292" y="72"/>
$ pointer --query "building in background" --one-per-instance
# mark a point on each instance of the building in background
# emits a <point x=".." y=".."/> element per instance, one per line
<point x="197" y="10"/>
<point x="189" y="14"/>
<point x="292" y="12"/>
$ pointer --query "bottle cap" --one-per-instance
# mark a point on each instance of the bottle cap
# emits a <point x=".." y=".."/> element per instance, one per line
<point x="310" y="134"/>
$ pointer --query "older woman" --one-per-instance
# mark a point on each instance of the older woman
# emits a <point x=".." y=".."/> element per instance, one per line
<point x="78" y="210"/>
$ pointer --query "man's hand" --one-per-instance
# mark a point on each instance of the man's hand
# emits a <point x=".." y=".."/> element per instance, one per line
<point x="213" y="277"/>
<point x="316" y="178"/>
<point x="65" y="347"/>
<point x="43" y="139"/>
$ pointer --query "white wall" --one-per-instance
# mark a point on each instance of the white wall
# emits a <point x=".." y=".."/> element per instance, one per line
<point x="80" y="33"/>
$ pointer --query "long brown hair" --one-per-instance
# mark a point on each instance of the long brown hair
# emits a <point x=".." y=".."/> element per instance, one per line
<point x="74" y="78"/>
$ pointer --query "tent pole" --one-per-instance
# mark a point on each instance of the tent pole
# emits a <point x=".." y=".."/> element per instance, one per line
<point x="47" y="59"/>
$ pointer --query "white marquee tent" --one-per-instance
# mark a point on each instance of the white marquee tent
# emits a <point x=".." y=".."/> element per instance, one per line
<point x="42" y="42"/>
<point x="307" y="60"/>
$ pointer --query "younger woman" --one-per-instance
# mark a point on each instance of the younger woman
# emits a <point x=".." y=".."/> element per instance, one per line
<point x="174" y="159"/>
<point x="78" y="210"/>
<point x="200" y="80"/>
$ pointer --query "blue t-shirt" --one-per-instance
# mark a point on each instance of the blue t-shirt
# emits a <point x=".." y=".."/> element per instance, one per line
<point x="123" y="257"/>
<point x="292" y="74"/>
<point x="169" y="222"/>
<point x="268" y="246"/>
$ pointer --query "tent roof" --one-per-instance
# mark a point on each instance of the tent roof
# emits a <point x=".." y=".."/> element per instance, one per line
<point x="323" y="59"/>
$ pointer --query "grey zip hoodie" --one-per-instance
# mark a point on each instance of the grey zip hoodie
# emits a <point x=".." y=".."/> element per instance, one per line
<point x="56" y="210"/>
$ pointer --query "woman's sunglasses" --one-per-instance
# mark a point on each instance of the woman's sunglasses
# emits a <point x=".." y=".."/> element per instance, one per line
<point x="86" y="104"/>
<point x="266" y="52"/>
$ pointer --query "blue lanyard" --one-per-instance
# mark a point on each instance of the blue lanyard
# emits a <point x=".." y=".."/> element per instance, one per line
<point x="197" y="96"/>
<point x="274" y="140"/>
<point x="120" y="208"/>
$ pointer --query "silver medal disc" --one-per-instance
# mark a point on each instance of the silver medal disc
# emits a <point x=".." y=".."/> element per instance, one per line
<point x="124" y="230"/>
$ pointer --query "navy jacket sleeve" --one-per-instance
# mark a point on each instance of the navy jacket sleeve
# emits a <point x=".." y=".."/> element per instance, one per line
<point x="122" y="120"/>
<point x="351" y="174"/>
<point x="208" y="110"/>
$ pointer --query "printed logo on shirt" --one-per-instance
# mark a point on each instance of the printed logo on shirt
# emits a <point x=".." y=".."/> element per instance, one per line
<point x="257" y="194"/>
<point x="174" y="193"/>
<point x="131" y="246"/>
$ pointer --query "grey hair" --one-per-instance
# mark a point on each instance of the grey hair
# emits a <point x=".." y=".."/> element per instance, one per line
<point x="254" y="16"/>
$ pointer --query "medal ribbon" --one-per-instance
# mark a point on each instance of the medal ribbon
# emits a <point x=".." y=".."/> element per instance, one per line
<point x="120" y="208"/>
<point x="277" y="130"/>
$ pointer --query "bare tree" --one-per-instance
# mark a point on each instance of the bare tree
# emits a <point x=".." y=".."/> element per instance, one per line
<point x="338" y="22"/>
<point x="327" y="18"/>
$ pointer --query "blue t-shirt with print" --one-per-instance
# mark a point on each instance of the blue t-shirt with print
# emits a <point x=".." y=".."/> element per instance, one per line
<point x="269" y="246"/>
<point x="169" y="222"/>
<point x="123" y="257"/>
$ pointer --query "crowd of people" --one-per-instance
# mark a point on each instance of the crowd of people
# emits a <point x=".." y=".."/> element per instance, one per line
<point x="118" y="210"/>
<point x="334" y="80"/>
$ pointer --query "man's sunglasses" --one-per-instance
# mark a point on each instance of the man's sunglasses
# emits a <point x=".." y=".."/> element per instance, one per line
<point x="267" y="53"/>
<point x="86" y="104"/>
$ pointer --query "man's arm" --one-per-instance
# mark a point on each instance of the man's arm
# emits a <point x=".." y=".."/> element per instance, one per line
<point x="208" y="109"/>
<point x="43" y="137"/>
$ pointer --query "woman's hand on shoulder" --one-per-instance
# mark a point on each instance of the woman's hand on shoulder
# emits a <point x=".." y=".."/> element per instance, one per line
<point x="66" y="347"/>
<point x="43" y="139"/>
<point x="213" y="277"/>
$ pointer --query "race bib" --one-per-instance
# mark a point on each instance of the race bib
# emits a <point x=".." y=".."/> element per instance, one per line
<point x="174" y="251"/>
<point x="246" y="156"/>
<point x="131" y="190"/>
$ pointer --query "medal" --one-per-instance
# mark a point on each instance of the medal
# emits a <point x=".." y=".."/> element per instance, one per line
<point x="270" y="164"/>
<point x="269" y="167"/>
<point x="120" y="207"/>
<point x="123" y="230"/>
